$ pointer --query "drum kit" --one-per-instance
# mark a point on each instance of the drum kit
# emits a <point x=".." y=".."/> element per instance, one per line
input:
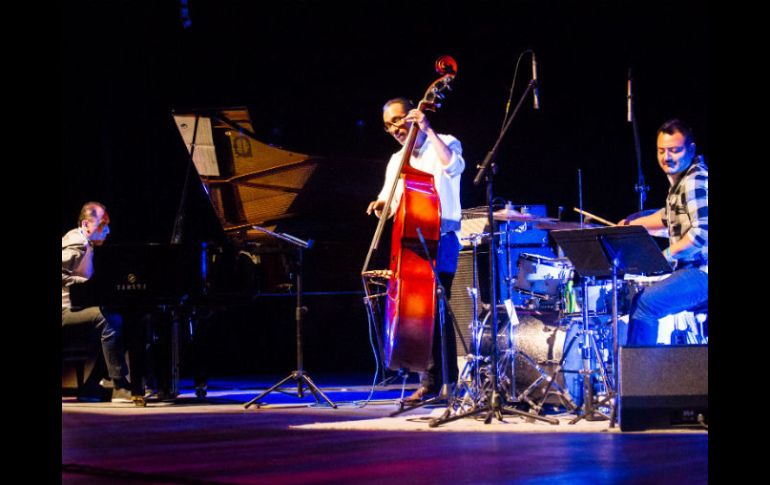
<point x="548" y="327"/>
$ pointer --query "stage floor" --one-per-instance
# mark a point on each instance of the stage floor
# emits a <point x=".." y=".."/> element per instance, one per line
<point x="293" y="440"/>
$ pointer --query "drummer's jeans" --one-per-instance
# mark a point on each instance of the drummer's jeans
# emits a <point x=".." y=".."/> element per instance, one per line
<point x="684" y="290"/>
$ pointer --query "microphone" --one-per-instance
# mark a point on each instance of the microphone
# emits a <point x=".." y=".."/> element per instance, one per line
<point x="535" y="98"/>
<point x="629" y="96"/>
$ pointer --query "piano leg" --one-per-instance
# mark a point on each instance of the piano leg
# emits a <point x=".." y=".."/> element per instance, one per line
<point x="164" y="353"/>
<point x="135" y="331"/>
<point x="198" y="350"/>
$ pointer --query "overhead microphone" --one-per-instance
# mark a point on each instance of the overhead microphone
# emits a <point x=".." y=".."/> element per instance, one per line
<point x="535" y="97"/>
<point x="629" y="96"/>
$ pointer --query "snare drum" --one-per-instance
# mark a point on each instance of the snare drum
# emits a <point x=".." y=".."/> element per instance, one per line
<point x="542" y="276"/>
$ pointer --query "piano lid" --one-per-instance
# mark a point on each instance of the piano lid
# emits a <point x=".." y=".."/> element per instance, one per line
<point x="248" y="182"/>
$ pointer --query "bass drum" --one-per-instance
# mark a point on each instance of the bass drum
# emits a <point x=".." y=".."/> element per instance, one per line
<point x="538" y="341"/>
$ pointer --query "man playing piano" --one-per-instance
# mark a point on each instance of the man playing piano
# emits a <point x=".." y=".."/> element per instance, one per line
<point x="76" y="267"/>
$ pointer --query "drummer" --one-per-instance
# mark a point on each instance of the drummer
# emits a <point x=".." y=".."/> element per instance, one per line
<point x="685" y="215"/>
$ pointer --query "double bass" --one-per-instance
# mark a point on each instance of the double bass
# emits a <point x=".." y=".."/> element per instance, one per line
<point x="411" y="288"/>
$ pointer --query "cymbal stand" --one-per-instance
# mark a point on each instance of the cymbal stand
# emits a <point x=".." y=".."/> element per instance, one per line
<point x="468" y="386"/>
<point x="612" y="392"/>
<point x="477" y="329"/>
<point x="589" y="350"/>
<point x="299" y="374"/>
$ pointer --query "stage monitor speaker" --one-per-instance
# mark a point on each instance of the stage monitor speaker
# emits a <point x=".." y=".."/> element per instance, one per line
<point x="663" y="387"/>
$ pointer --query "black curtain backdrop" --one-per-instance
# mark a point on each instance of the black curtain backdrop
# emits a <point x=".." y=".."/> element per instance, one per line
<point x="315" y="75"/>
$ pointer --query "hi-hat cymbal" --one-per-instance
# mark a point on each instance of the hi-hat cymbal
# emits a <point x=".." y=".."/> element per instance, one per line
<point x="514" y="215"/>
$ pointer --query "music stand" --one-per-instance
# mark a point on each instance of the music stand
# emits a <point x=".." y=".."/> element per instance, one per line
<point x="298" y="375"/>
<point x="602" y="253"/>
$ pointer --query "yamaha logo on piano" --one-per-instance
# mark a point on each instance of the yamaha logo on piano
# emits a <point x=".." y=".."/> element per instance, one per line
<point x="131" y="284"/>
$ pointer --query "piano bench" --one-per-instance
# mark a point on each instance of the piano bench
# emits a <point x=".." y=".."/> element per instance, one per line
<point x="81" y="358"/>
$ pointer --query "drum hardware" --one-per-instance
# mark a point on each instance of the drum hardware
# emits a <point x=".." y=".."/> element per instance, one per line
<point x="599" y="298"/>
<point x="508" y="214"/>
<point x="519" y="338"/>
<point x="560" y="225"/>
<point x="594" y="252"/>
<point x="683" y="328"/>
<point x="489" y="401"/>
<point x="475" y="380"/>
<point x="591" y="359"/>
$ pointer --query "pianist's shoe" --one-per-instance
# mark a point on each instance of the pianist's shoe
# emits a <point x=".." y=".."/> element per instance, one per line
<point x="121" y="389"/>
<point x="121" y="394"/>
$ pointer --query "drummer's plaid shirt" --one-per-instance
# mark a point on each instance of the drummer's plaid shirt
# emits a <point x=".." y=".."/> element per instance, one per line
<point x="687" y="215"/>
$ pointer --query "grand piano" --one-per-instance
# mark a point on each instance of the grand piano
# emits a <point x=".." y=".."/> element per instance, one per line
<point x="215" y="256"/>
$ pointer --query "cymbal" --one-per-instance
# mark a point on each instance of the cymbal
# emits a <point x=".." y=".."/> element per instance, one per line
<point x="558" y="225"/>
<point x="514" y="215"/>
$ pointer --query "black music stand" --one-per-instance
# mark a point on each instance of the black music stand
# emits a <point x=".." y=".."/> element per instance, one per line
<point x="299" y="374"/>
<point x="602" y="253"/>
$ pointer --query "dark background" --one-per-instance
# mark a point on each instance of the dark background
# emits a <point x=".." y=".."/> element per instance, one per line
<point x="314" y="76"/>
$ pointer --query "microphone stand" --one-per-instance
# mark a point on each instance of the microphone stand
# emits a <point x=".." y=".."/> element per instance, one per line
<point x="493" y="405"/>
<point x="641" y="188"/>
<point x="299" y="374"/>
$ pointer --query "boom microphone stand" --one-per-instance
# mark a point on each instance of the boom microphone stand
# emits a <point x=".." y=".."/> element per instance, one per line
<point x="299" y="374"/>
<point x="641" y="187"/>
<point x="491" y="402"/>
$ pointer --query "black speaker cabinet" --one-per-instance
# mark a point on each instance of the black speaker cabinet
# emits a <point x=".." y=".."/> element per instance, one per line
<point x="460" y="300"/>
<point x="663" y="386"/>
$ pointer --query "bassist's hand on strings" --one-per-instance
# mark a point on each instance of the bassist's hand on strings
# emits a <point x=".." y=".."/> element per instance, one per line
<point x="417" y="116"/>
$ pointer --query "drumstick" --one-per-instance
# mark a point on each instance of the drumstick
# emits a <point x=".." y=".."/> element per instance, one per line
<point x="603" y="221"/>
